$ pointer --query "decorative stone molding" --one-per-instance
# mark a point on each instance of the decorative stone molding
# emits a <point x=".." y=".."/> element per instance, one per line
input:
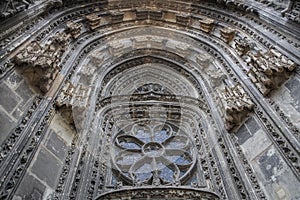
<point x="178" y="193"/>
<point x="243" y="45"/>
<point x="215" y="78"/>
<point x="13" y="175"/>
<point x="67" y="167"/>
<point x="8" y="145"/>
<point x="116" y="16"/>
<point x="292" y="11"/>
<point x="73" y="95"/>
<point x="11" y="7"/>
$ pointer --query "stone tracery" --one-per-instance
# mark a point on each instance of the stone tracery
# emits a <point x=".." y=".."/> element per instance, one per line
<point x="205" y="51"/>
<point x="154" y="154"/>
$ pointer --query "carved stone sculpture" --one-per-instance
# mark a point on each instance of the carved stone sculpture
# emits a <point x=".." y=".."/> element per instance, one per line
<point x="207" y="25"/>
<point x="268" y="70"/>
<point x="116" y="17"/>
<point x="73" y="95"/>
<point x="227" y="34"/>
<point x="71" y="101"/>
<point x="237" y="105"/>
<point x="39" y="65"/>
<point x="10" y="7"/>
<point x="242" y="46"/>
<point x="94" y="21"/>
<point x="73" y="28"/>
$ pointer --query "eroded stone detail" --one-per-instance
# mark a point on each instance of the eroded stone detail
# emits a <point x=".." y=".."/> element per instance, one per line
<point x="207" y="25"/>
<point x="72" y="102"/>
<point x="227" y="34"/>
<point x="11" y="177"/>
<point x="9" y="144"/>
<point x="74" y="29"/>
<point x="40" y="63"/>
<point x="215" y="78"/>
<point x="237" y="105"/>
<point x="268" y="70"/>
<point x="94" y="21"/>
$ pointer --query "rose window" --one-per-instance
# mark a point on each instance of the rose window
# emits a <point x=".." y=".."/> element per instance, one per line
<point x="153" y="153"/>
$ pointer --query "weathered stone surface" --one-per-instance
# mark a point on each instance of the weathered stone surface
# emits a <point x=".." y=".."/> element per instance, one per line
<point x="24" y="92"/>
<point x="243" y="134"/>
<point x="8" y="99"/>
<point x="252" y="125"/>
<point x="273" y="172"/>
<point x="56" y="145"/>
<point x="30" y="189"/>
<point x="294" y="87"/>
<point x="46" y="167"/>
<point x="14" y="79"/>
<point x="107" y="70"/>
<point x="6" y="125"/>
<point x="256" y="144"/>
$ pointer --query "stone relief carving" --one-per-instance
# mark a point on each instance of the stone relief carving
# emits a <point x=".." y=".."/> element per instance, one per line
<point x="40" y="63"/>
<point x="72" y="101"/>
<point x="243" y="45"/>
<point x="268" y="70"/>
<point x="161" y="193"/>
<point x="116" y="16"/>
<point x="292" y="11"/>
<point x="10" y="7"/>
<point x="14" y="136"/>
<point x="207" y="25"/>
<point x="227" y="34"/>
<point x="13" y="174"/>
<point x="236" y="104"/>
<point x="74" y="29"/>
<point x="94" y="21"/>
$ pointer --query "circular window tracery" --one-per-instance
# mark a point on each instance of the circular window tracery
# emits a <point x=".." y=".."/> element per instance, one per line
<point x="153" y="153"/>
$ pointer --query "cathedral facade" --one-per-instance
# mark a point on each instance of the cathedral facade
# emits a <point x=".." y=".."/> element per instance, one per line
<point x="149" y="99"/>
